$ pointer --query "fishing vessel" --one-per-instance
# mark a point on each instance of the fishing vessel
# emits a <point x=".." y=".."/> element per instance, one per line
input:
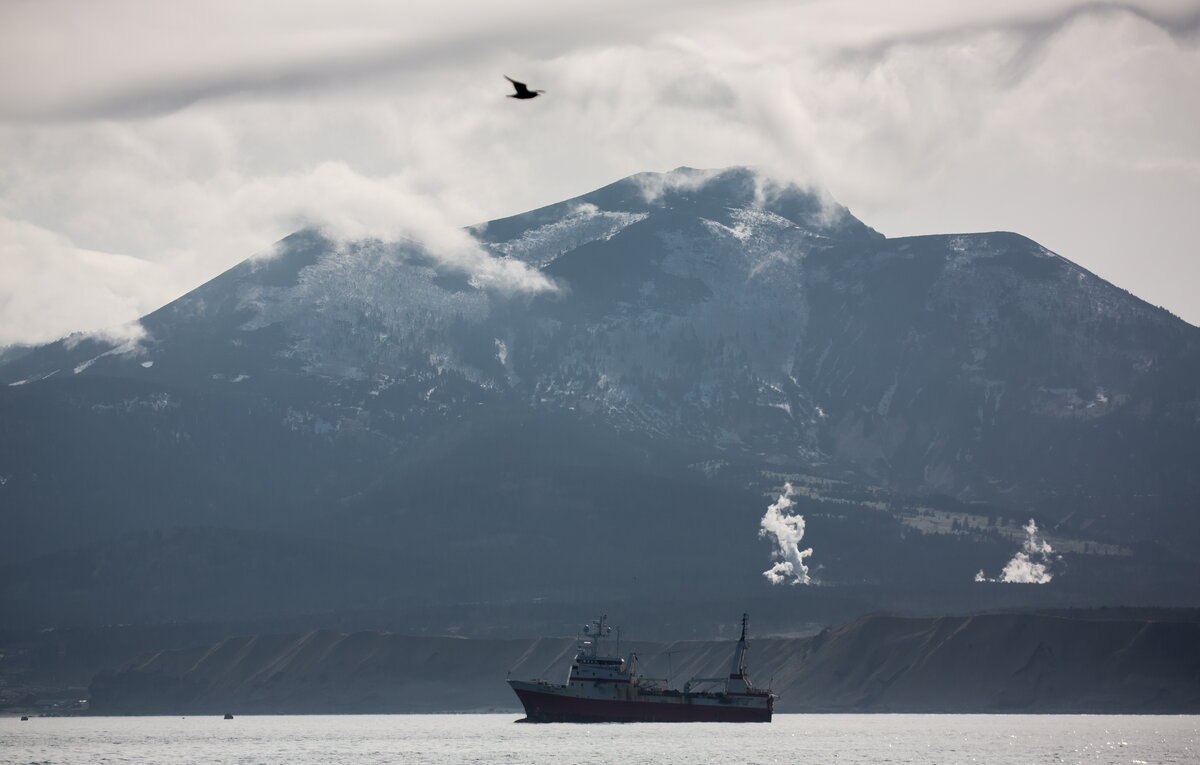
<point x="602" y="688"/>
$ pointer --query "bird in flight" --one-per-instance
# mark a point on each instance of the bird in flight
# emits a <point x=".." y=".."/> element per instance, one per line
<point x="523" y="90"/>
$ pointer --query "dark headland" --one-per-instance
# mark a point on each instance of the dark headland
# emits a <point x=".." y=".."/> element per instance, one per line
<point x="1097" y="661"/>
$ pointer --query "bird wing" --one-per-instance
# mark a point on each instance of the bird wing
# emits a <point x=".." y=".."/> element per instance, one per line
<point x="521" y="87"/>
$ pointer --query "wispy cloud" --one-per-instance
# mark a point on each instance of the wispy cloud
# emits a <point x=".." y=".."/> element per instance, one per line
<point x="348" y="207"/>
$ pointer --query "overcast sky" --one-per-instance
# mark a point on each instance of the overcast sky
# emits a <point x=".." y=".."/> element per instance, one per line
<point x="148" y="145"/>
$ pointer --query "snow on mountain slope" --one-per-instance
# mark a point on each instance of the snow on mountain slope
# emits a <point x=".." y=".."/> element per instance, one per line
<point x="586" y="223"/>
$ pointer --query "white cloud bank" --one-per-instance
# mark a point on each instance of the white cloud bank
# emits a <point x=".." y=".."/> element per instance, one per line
<point x="52" y="287"/>
<point x="175" y="139"/>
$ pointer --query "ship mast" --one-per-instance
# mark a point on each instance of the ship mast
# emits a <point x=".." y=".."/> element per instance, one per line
<point x="592" y="634"/>
<point x="739" y="681"/>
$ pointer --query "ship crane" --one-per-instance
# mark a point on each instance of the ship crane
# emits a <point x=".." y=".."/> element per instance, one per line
<point x="738" y="680"/>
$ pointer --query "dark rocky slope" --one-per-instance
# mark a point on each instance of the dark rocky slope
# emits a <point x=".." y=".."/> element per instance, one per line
<point x="1096" y="661"/>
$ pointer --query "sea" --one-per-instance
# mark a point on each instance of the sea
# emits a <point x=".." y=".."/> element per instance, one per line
<point x="496" y="738"/>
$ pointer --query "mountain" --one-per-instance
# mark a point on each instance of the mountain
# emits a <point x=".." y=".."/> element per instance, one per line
<point x="342" y="426"/>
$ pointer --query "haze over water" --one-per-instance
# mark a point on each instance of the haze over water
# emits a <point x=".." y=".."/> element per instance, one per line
<point x="493" y="738"/>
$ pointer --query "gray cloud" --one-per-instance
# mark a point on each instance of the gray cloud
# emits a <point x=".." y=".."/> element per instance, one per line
<point x="177" y="55"/>
<point x="457" y="37"/>
<point x="163" y="95"/>
<point x="183" y="137"/>
<point x="1040" y="24"/>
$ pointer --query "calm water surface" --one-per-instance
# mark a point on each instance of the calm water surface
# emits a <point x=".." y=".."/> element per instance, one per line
<point x="360" y="739"/>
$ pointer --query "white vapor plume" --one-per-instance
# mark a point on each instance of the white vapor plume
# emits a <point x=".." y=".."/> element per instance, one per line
<point x="1031" y="565"/>
<point x="788" y="530"/>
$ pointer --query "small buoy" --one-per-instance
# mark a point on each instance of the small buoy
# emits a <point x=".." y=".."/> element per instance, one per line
<point x="228" y="716"/>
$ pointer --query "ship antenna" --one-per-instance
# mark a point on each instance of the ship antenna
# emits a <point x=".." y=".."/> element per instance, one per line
<point x="744" y="618"/>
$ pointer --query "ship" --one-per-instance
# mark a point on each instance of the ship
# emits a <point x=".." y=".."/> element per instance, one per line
<point x="602" y="688"/>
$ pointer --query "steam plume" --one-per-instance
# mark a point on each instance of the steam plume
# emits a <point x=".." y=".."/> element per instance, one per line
<point x="788" y="530"/>
<point x="1031" y="565"/>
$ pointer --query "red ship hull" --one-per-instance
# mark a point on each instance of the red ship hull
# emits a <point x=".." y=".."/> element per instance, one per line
<point x="607" y="688"/>
<point x="553" y="707"/>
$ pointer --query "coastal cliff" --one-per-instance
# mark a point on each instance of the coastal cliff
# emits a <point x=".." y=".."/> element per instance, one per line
<point x="1094" y="661"/>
